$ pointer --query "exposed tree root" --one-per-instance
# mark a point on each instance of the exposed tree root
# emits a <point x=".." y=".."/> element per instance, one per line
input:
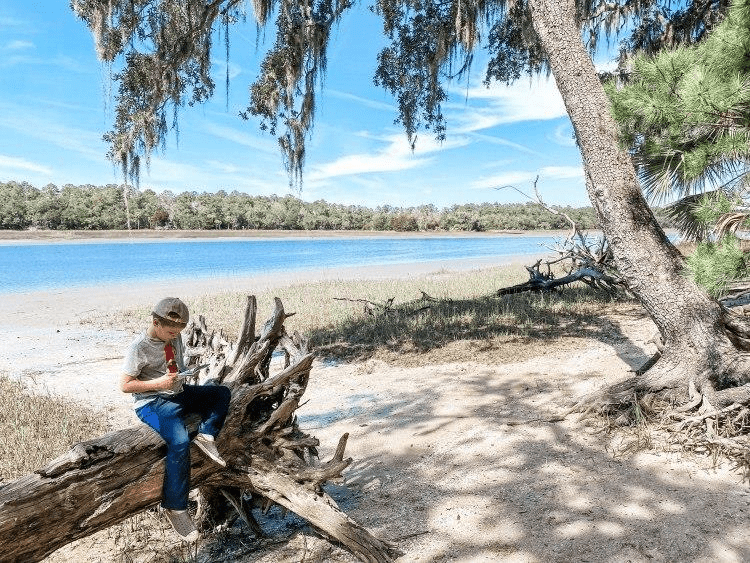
<point x="700" y="418"/>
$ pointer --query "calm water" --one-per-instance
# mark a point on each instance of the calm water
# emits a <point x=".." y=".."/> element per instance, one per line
<point x="36" y="266"/>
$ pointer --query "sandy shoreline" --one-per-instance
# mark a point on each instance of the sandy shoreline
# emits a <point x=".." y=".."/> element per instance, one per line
<point x="63" y="306"/>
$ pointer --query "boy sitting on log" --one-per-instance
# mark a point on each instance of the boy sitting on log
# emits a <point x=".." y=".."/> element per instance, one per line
<point x="151" y="372"/>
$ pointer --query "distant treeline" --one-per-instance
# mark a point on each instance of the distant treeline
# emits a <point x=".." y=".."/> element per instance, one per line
<point x="22" y="206"/>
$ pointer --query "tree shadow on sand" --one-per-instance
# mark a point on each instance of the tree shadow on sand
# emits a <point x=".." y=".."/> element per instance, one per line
<point x="426" y="325"/>
<point x="483" y="479"/>
<point x="459" y="463"/>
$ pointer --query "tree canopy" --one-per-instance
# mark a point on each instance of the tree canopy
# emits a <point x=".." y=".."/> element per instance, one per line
<point x="160" y="52"/>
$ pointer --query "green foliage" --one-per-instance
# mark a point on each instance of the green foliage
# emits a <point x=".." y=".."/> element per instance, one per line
<point x="685" y="112"/>
<point x="15" y="203"/>
<point x="696" y="216"/>
<point x="99" y="208"/>
<point x="715" y="265"/>
<point x="712" y="206"/>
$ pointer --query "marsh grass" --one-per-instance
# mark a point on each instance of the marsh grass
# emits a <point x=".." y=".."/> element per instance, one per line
<point x="36" y="428"/>
<point x="314" y="303"/>
<point x="464" y="307"/>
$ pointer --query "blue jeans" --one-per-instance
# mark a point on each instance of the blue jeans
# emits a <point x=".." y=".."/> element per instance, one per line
<point x="166" y="415"/>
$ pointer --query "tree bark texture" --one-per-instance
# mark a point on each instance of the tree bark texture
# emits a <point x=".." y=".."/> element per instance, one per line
<point x="696" y="347"/>
<point x="105" y="480"/>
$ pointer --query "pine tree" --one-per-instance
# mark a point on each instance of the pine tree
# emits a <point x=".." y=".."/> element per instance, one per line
<point x="685" y="113"/>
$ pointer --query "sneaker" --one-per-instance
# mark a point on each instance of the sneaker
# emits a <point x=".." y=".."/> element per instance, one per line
<point x="206" y="444"/>
<point x="183" y="524"/>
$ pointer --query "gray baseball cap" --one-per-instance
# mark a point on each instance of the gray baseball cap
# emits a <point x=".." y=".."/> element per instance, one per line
<point x="173" y="309"/>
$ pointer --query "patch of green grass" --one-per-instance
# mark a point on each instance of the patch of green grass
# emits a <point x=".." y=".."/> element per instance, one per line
<point x="35" y="428"/>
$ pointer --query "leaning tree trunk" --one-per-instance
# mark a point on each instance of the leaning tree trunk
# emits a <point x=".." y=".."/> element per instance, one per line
<point x="105" y="480"/>
<point x="691" y="324"/>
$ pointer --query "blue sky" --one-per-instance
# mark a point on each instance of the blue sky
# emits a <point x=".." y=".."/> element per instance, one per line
<point x="56" y="102"/>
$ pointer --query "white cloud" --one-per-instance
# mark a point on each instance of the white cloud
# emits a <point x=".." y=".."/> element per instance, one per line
<point x="505" y="142"/>
<point x="563" y="135"/>
<point x="66" y="63"/>
<point x="30" y="124"/>
<point x="363" y="101"/>
<point x="424" y="144"/>
<point x="18" y="44"/>
<point x="369" y="190"/>
<point x="511" y="178"/>
<point x="561" y="172"/>
<point x="500" y="104"/>
<point x="10" y="165"/>
<point x="363" y="164"/>
<point x="257" y="142"/>
<point x="52" y="103"/>
<point x="177" y="176"/>
<point x="9" y="21"/>
<point x="223" y="166"/>
<point x="221" y="69"/>
<point x="517" y="177"/>
<point x="397" y="155"/>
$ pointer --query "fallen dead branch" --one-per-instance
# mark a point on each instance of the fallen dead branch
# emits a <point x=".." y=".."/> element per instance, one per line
<point x="372" y="308"/>
<point x="583" y="258"/>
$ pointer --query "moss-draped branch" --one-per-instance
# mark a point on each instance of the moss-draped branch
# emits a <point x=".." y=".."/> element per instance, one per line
<point x="160" y="55"/>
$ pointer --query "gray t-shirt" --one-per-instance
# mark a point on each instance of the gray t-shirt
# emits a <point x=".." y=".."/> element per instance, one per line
<point x="145" y="360"/>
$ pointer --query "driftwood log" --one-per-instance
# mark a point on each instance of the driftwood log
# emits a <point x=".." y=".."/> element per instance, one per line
<point x="589" y="261"/>
<point x="105" y="480"/>
<point x="546" y="281"/>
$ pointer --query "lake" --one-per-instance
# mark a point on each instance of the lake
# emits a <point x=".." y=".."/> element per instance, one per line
<point x="29" y="266"/>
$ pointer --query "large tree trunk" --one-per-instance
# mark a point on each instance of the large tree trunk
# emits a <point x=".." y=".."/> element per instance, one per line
<point x="105" y="480"/>
<point x="691" y="324"/>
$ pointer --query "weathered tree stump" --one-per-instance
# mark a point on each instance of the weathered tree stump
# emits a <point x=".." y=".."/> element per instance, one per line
<point x="103" y="481"/>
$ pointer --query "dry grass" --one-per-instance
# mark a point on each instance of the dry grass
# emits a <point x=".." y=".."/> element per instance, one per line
<point x="463" y="320"/>
<point x="422" y="329"/>
<point x="315" y="304"/>
<point x="34" y="429"/>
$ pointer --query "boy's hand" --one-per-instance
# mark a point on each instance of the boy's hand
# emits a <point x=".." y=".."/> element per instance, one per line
<point x="169" y="381"/>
